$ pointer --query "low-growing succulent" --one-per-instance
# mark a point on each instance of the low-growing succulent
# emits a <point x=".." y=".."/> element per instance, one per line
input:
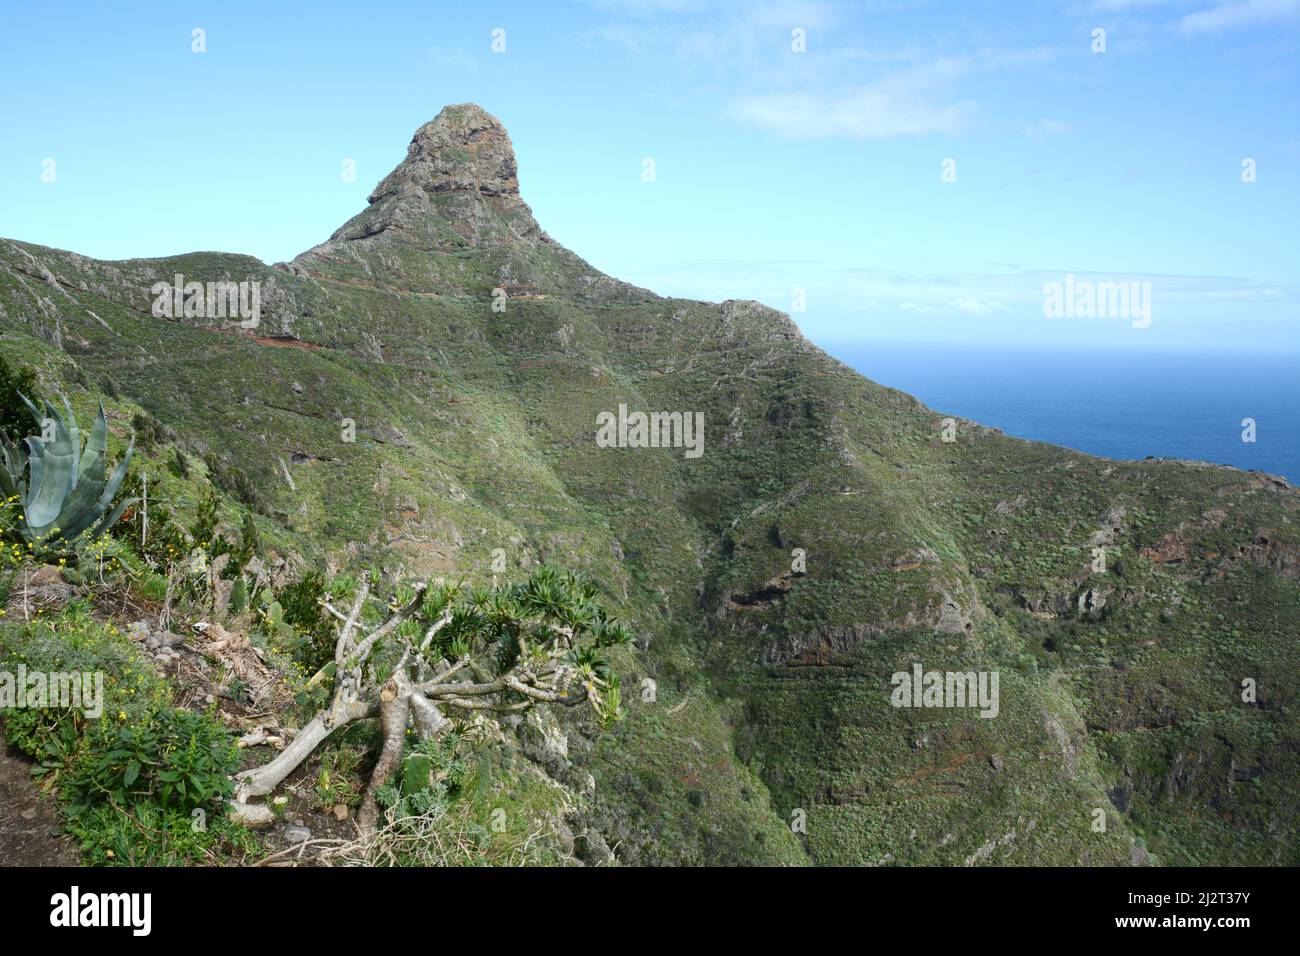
<point x="61" y="489"/>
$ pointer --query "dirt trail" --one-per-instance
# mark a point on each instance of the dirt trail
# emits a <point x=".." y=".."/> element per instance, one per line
<point x="29" y="823"/>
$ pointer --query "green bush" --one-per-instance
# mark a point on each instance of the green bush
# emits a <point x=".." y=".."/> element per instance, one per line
<point x="313" y="629"/>
<point x="250" y="545"/>
<point x="74" y="642"/>
<point x="168" y="540"/>
<point x="15" y="421"/>
<point x="131" y="779"/>
<point x="434" y="775"/>
<point x="149" y="793"/>
<point x="175" y="758"/>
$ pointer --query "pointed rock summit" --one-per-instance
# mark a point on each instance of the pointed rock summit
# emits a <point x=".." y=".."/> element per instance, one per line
<point x="463" y="149"/>
<point x="457" y="187"/>
<point x="449" y="220"/>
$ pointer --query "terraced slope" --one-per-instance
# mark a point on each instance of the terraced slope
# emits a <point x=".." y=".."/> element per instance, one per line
<point x="827" y="538"/>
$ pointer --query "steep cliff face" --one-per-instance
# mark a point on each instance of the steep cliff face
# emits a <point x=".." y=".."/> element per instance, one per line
<point x="827" y="538"/>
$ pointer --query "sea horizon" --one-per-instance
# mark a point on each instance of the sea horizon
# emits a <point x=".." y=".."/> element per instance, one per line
<point x="1185" y="404"/>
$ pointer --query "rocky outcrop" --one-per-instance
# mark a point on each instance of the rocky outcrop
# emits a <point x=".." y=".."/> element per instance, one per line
<point x="1170" y="549"/>
<point x="761" y="598"/>
<point x="463" y="149"/>
<point x="456" y="190"/>
<point x="459" y="173"/>
<point x="1264" y="548"/>
<point x="823" y="645"/>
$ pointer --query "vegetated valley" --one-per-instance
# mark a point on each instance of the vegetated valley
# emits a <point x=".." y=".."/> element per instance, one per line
<point x="371" y="541"/>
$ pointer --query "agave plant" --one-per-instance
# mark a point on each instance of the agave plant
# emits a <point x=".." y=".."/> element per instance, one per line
<point x="62" y="491"/>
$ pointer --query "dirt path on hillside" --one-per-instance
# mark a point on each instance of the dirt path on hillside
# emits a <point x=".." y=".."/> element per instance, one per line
<point x="29" y="823"/>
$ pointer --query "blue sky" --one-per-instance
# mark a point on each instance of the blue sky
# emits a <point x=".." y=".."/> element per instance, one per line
<point x="775" y="170"/>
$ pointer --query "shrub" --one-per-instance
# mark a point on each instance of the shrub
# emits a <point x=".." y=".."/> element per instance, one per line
<point x="149" y="792"/>
<point x="132" y="778"/>
<point x="175" y="758"/>
<point x="250" y="545"/>
<point x="15" y="421"/>
<point x="146" y="835"/>
<point x="74" y="642"/>
<point x="313" y="630"/>
<point x="458" y="819"/>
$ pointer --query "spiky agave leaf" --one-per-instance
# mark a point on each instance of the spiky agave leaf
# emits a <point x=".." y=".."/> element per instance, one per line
<point x="66" y="491"/>
<point x="13" y="471"/>
<point x="97" y="444"/>
<point x="74" y="434"/>
<point x="84" y="509"/>
<point x="52" y="465"/>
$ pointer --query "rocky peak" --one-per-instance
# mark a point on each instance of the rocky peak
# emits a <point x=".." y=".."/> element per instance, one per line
<point x="449" y="219"/>
<point x="463" y="149"/>
<point x="457" y="186"/>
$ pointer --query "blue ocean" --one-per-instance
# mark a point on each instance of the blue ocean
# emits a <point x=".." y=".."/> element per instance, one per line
<point x="1119" y="405"/>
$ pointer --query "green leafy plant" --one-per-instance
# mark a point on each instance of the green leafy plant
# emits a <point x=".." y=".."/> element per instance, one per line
<point x="14" y="384"/>
<point x="48" y="735"/>
<point x="167" y="540"/>
<point x="338" y="779"/>
<point x="62" y="491"/>
<point x="434" y="775"/>
<point x="248" y="547"/>
<point x="205" y="531"/>
<point x="133" y="780"/>
<point x="176" y="759"/>
<point x="148" y="835"/>
<point x="238" y="597"/>
<point x="74" y="642"/>
<point x="303" y="610"/>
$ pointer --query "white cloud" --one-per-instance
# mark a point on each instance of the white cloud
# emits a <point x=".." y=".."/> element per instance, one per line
<point x="872" y="113"/>
<point x="1118" y="6"/>
<point x="907" y="103"/>
<point x="633" y="38"/>
<point x="1238" y="14"/>
<point x="915" y="100"/>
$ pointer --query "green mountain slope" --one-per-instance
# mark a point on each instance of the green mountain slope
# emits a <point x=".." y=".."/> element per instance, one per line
<point x="770" y="704"/>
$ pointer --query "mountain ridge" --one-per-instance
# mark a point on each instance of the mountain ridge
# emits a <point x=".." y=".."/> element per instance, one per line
<point x="475" y="433"/>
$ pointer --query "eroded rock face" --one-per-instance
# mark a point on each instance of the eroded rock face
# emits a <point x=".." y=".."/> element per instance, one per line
<point x="1091" y="602"/>
<point x="1170" y="549"/>
<point x="449" y="219"/>
<point x="824" y="645"/>
<point x="464" y="148"/>
<point x="820" y="647"/>
<point x="459" y="185"/>
<point x="1266" y="550"/>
